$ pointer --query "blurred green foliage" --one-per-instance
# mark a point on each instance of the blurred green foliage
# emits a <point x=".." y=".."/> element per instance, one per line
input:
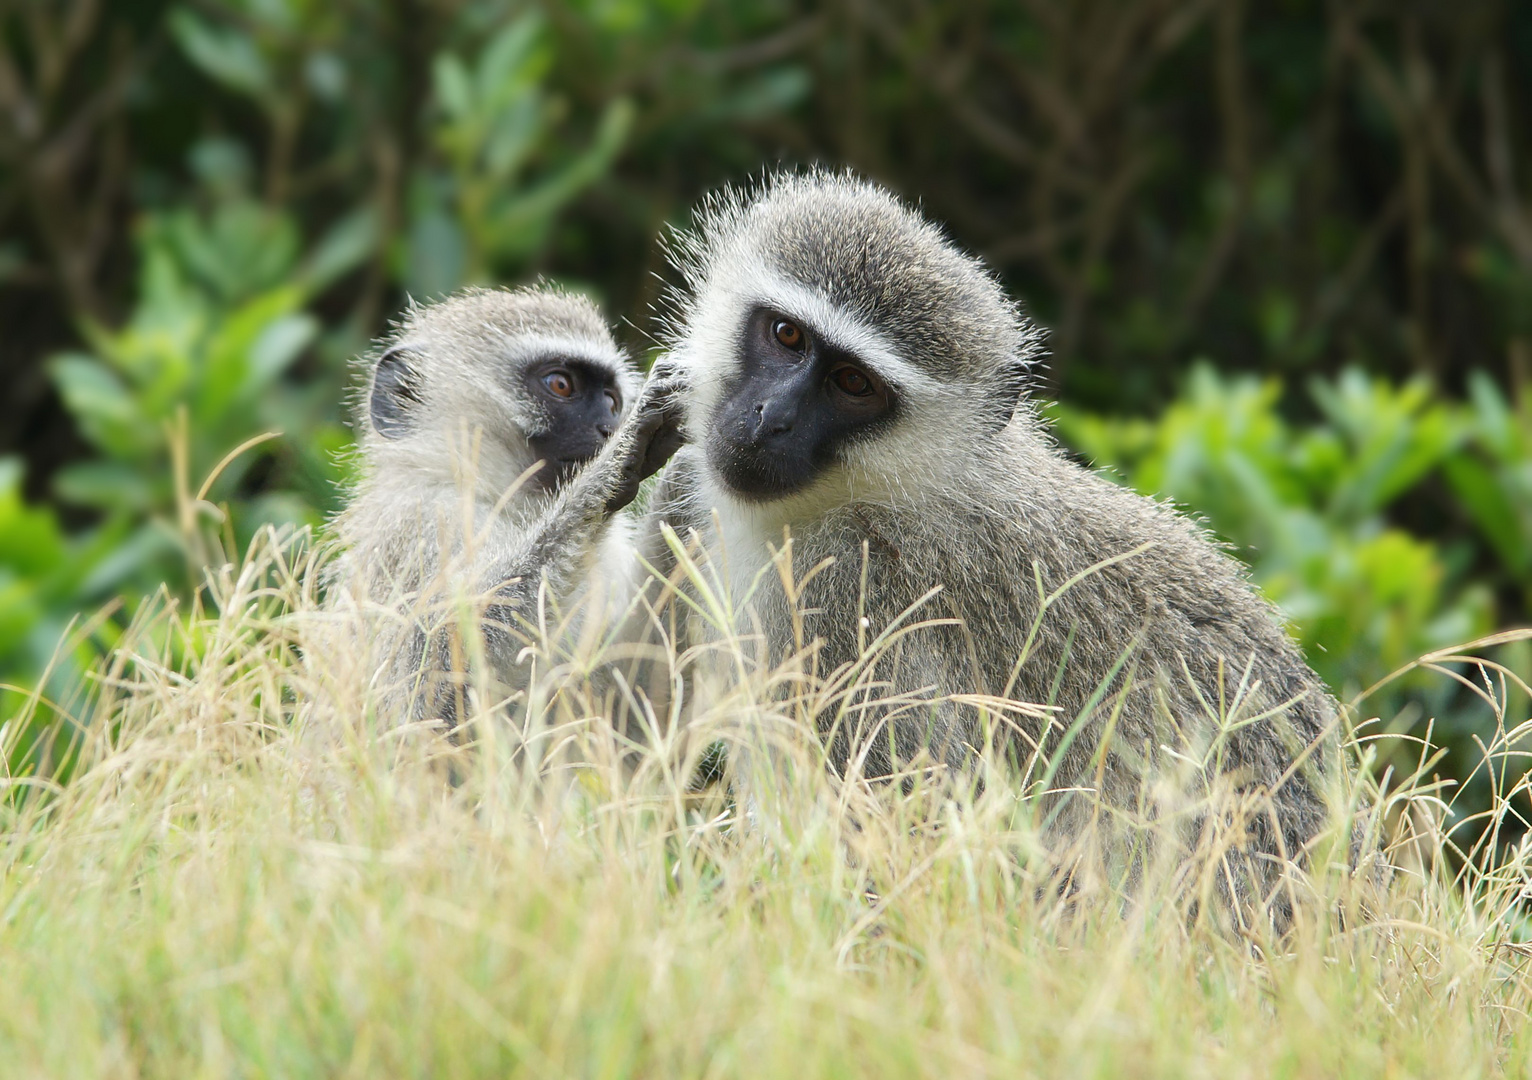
<point x="208" y="206"/>
<point x="1307" y="505"/>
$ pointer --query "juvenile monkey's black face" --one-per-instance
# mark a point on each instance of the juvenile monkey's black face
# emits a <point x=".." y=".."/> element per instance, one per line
<point x="584" y="404"/>
<point x="794" y="400"/>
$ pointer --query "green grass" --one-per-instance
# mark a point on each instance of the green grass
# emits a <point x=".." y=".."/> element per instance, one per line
<point x="245" y="877"/>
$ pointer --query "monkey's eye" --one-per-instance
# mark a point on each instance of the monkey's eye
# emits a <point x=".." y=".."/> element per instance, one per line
<point x="850" y="380"/>
<point x="789" y="334"/>
<point x="614" y="402"/>
<point x="559" y="383"/>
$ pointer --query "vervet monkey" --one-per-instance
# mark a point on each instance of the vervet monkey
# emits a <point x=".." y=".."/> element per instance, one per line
<point x="859" y="382"/>
<point x="501" y="432"/>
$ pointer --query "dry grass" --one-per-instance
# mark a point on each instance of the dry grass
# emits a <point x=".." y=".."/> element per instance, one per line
<point x="246" y="876"/>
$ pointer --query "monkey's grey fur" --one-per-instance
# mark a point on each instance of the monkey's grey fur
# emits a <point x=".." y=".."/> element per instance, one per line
<point x="1158" y="631"/>
<point x="443" y="505"/>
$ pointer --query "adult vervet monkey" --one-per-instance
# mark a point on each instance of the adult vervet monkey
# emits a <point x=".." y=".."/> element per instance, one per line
<point x="858" y="381"/>
<point x="501" y="432"/>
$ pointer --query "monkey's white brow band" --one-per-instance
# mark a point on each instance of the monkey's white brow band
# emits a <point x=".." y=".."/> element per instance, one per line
<point x="521" y="346"/>
<point x="843" y="330"/>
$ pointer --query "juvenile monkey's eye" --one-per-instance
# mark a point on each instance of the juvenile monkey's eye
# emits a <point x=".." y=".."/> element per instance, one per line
<point x="559" y="383"/>
<point x="614" y="402"/>
<point x="789" y="334"/>
<point x="850" y="380"/>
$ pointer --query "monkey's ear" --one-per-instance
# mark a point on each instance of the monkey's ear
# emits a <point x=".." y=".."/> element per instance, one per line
<point x="1010" y="393"/>
<point x="395" y="392"/>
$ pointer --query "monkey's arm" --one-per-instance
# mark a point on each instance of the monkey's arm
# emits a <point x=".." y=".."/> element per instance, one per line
<point x="559" y="545"/>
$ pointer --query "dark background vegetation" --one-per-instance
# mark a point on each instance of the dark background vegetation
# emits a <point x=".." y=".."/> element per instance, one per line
<point x="1284" y="249"/>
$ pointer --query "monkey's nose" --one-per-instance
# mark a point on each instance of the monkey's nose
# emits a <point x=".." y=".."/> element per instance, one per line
<point x="605" y="430"/>
<point x="778" y="421"/>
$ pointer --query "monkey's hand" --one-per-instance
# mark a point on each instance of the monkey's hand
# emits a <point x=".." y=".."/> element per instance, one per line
<point x="651" y="435"/>
<point x="558" y="547"/>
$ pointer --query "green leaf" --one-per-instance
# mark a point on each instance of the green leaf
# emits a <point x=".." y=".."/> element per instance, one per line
<point x="454" y="88"/>
<point x="1492" y="510"/>
<point x="19" y="611"/>
<point x="769" y="94"/>
<point x="504" y="63"/>
<point x="274" y="351"/>
<point x="435" y="256"/>
<point x="107" y="413"/>
<point x="31" y="542"/>
<point x="342" y="249"/>
<point x="514" y="134"/>
<point x="1496" y="426"/>
<point x="242" y="359"/>
<point x="224" y="54"/>
<point x="326" y="75"/>
<point x="520" y="223"/>
<point x="239" y="250"/>
<point x="1394" y="436"/>
<point x="109" y="485"/>
<point x="148" y="546"/>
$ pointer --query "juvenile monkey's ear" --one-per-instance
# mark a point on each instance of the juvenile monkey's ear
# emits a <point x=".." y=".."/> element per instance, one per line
<point x="395" y="393"/>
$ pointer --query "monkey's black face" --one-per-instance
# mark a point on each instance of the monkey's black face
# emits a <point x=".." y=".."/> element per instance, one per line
<point x="795" y="399"/>
<point x="584" y="404"/>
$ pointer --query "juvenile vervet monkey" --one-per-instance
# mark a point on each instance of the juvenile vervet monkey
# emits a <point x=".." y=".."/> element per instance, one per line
<point x="463" y="402"/>
<point x="858" y="381"/>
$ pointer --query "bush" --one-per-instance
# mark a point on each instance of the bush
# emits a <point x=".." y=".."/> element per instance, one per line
<point x="1310" y="506"/>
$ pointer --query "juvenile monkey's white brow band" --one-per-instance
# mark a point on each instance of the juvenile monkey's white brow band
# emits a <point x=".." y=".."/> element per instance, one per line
<point x="841" y="329"/>
<point x="523" y="346"/>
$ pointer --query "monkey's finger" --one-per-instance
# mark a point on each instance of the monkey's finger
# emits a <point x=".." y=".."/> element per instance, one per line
<point x="633" y="450"/>
<point x="667" y="395"/>
<point x="673" y="405"/>
<point x="666" y="369"/>
<point x="667" y="439"/>
<point x="624" y="492"/>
